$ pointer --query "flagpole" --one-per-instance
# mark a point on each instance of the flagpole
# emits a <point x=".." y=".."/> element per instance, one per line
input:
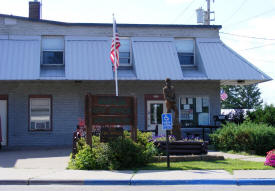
<point x="115" y="63"/>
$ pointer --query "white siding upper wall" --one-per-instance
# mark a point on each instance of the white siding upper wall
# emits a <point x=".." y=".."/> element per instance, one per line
<point x="156" y="59"/>
<point x="19" y="58"/>
<point x="88" y="59"/>
<point x="24" y="27"/>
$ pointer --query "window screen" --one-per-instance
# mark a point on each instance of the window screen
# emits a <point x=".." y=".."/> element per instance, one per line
<point x="53" y="50"/>
<point x="40" y="113"/>
<point x="185" y="49"/>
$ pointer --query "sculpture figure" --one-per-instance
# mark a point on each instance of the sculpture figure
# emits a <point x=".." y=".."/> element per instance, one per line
<point x="170" y="98"/>
<point x="170" y="101"/>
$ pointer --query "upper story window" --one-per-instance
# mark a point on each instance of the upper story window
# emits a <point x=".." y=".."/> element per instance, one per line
<point x="125" y="52"/>
<point x="53" y="50"/>
<point x="185" y="49"/>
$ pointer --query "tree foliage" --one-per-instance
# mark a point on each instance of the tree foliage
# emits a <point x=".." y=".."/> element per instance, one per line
<point x="242" y="97"/>
<point x="263" y="115"/>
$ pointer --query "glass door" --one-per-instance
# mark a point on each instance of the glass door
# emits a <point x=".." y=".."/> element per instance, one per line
<point x="3" y="118"/>
<point x="155" y="108"/>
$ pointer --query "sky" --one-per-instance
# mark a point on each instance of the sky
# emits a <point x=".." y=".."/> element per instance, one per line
<point x="248" y="26"/>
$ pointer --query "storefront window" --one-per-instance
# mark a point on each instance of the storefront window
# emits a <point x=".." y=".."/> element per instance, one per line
<point x="194" y="111"/>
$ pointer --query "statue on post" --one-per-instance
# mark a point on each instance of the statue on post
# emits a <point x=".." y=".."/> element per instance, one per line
<point x="170" y="101"/>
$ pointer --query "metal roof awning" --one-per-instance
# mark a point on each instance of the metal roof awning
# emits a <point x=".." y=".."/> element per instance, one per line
<point x="88" y="59"/>
<point x="222" y="63"/>
<point x="19" y="58"/>
<point x="156" y="59"/>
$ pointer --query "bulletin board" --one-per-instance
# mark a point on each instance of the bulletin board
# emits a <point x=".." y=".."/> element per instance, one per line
<point x="194" y="111"/>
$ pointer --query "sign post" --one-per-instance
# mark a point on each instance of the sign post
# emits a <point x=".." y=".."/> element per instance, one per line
<point x="167" y="125"/>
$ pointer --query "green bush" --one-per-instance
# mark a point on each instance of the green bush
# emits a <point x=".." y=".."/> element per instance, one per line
<point x="125" y="153"/>
<point x="144" y="140"/>
<point x="84" y="159"/>
<point x="263" y="115"/>
<point x="246" y="137"/>
<point x="88" y="158"/>
<point x="121" y="153"/>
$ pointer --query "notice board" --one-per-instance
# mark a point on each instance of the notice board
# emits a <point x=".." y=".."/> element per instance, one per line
<point x="108" y="110"/>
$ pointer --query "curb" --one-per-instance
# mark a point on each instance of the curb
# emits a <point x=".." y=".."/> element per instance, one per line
<point x="183" y="182"/>
<point x="107" y="182"/>
<point x="206" y="182"/>
<point x="238" y="182"/>
<point x="256" y="182"/>
<point x="14" y="182"/>
<point x="60" y="182"/>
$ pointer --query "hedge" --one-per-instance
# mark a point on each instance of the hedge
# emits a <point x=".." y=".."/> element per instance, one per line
<point x="248" y="137"/>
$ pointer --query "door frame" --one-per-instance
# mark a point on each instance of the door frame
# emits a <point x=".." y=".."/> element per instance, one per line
<point x="5" y="97"/>
<point x="150" y="97"/>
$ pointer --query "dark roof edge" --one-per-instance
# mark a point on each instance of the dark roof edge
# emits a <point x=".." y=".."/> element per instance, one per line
<point x="110" y="24"/>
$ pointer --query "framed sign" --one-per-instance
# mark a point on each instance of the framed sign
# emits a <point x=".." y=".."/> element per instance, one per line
<point x="105" y="110"/>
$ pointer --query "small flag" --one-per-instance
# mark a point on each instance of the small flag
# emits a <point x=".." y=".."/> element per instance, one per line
<point x="114" y="47"/>
<point x="223" y="95"/>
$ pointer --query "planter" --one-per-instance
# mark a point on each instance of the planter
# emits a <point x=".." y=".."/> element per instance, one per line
<point x="183" y="147"/>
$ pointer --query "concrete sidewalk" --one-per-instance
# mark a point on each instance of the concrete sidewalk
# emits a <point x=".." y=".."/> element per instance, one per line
<point x="50" y="158"/>
<point x="48" y="166"/>
<point x="11" y="176"/>
<point x="237" y="156"/>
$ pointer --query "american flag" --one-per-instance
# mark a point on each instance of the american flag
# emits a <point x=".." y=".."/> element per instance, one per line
<point x="223" y="95"/>
<point x="114" y="48"/>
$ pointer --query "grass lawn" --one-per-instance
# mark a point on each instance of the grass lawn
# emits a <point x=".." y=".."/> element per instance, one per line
<point x="228" y="165"/>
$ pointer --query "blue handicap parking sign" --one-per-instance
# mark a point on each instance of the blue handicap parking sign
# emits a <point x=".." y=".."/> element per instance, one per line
<point x="167" y="121"/>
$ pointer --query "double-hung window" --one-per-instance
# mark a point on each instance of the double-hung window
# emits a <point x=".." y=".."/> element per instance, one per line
<point x="40" y="113"/>
<point x="185" y="50"/>
<point x="125" y="52"/>
<point x="53" y="50"/>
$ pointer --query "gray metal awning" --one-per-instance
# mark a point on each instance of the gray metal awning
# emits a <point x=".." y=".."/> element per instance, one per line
<point x="88" y="59"/>
<point x="156" y="59"/>
<point x="222" y="63"/>
<point x="19" y="57"/>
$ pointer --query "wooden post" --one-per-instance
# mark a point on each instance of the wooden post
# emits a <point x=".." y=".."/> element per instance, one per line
<point x="134" y="126"/>
<point x="88" y="119"/>
<point x="167" y="148"/>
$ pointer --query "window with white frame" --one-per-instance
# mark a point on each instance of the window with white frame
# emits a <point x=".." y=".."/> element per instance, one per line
<point x="185" y="50"/>
<point x="40" y="113"/>
<point x="53" y="50"/>
<point x="125" y="52"/>
<point x="194" y="111"/>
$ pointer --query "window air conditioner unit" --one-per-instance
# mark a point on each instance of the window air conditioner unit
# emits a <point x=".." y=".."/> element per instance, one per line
<point x="40" y="125"/>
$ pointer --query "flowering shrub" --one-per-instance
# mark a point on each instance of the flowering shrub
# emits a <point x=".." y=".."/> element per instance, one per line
<point x="192" y="139"/>
<point x="270" y="158"/>
<point x="172" y="138"/>
<point x="160" y="138"/>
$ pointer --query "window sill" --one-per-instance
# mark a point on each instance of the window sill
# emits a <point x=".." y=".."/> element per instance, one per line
<point x="54" y="65"/>
<point x="125" y="67"/>
<point x="41" y="130"/>
<point x="189" y="66"/>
